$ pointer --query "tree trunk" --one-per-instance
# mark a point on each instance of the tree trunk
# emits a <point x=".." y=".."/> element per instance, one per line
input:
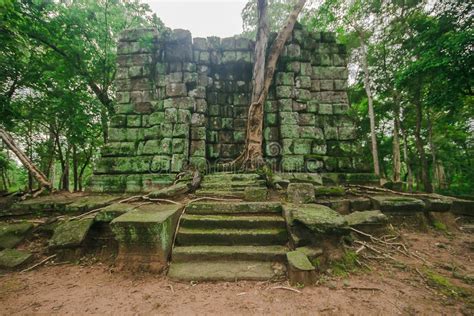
<point x="407" y="162"/>
<point x="368" y="91"/>
<point x="33" y="170"/>
<point x="419" y="145"/>
<point x="264" y="69"/>
<point x="4" y="180"/>
<point x="396" y="139"/>
<point x="436" y="181"/>
<point x="75" y="167"/>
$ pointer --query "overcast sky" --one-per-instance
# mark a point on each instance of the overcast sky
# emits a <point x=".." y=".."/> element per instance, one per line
<point x="202" y="17"/>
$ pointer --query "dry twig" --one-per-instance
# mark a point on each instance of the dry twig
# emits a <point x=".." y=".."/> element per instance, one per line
<point x="38" y="264"/>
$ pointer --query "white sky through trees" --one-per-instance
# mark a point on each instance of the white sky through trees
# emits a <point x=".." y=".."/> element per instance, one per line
<point x="202" y="17"/>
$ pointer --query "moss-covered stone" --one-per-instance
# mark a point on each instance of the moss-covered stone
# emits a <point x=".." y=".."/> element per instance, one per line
<point x="255" y="194"/>
<point x="366" y="218"/>
<point x="12" y="258"/>
<point x="300" y="193"/>
<point x="329" y="191"/>
<point x="113" y="211"/>
<point x="397" y="203"/>
<point x="71" y="234"/>
<point x="11" y="234"/>
<point x="145" y="236"/>
<point x="299" y="260"/>
<point x="319" y="219"/>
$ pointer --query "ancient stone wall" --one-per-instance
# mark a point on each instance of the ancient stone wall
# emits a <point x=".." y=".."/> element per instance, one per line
<point x="182" y="100"/>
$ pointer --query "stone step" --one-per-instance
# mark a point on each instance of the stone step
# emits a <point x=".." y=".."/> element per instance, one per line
<point x="227" y="176"/>
<point x="232" y="193"/>
<point x="223" y="271"/>
<point x="210" y="253"/>
<point x="213" y="208"/>
<point x="188" y="236"/>
<point x="231" y="185"/>
<point x="229" y="221"/>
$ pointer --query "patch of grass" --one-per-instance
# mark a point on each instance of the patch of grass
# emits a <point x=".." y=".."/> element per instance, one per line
<point x="347" y="264"/>
<point x="445" y="286"/>
<point x="440" y="226"/>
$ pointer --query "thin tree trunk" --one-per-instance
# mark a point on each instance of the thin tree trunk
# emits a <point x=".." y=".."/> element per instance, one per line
<point x="436" y="181"/>
<point x="368" y="91"/>
<point x="75" y="167"/>
<point x="252" y="155"/>
<point x="419" y="144"/>
<point x="396" y="139"/>
<point x="407" y="162"/>
<point x="25" y="160"/>
<point x="4" y="180"/>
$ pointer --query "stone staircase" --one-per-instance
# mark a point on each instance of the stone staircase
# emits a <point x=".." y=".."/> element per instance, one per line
<point x="229" y="184"/>
<point x="228" y="241"/>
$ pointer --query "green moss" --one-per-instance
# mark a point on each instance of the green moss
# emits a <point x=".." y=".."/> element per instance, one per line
<point x="347" y="264"/>
<point x="299" y="260"/>
<point x="445" y="286"/>
<point x="440" y="226"/>
<point x="330" y="191"/>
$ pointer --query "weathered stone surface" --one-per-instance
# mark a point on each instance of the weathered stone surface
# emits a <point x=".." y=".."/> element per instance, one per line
<point x="463" y="207"/>
<point x="70" y="234"/>
<point x="329" y="191"/>
<point x="437" y="205"/>
<point x="11" y="234"/>
<point x="12" y="258"/>
<point x="361" y="204"/>
<point x="300" y="193"/>
<point x="113" y="211"/>
<point x="364" y="218"/>
<point x="145" y="236"/>
<point x="300" y="269"/>
<point x="255" y="194"/>
<point x="397" y="204"/>
<point x="319" y="219"/>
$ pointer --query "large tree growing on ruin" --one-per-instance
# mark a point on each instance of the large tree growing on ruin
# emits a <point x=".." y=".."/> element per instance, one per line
<point x="263" y="71"/>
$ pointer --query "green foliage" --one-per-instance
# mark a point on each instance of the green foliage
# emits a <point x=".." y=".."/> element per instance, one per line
<point x="347" y="264"/>
<point x="445" y="286"/>
<point x="57" y="67"/>
<point x="415" y="49"/>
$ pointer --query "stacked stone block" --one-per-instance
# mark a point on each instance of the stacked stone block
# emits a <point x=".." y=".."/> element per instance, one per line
<point x="310" y="90"/>
<point x="183" y="101"/>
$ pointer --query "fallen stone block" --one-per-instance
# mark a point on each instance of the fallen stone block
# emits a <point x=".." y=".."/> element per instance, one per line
<point x="371" y="222"/>
<point x="463" y="207"/>
<point x="397" y="204"/>
<point x="112" y="211"/>
<point x="300" y="269"/>
<point x="12" y="258"/>
<point x="145" y="236"/>
<point x="300" y="193"/>
<point x="319" y="219"/>
<point x="360" y="204"/>
<point x="437" y="205"/>
<point x="366" y="218"/>
<point x="70" y="234"/>
<point x="11" y="234"/>
<point x="313" y="254"/>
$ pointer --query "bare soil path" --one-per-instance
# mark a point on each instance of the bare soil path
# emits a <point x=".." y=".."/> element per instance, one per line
<point x="388" y="289"/>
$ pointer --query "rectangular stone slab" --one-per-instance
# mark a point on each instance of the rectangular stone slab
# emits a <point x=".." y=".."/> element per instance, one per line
<point x="145" y="236"/>
<point x="12" y="258"/>
<point x="71" y="234"/>
<point x="397" y="204"/>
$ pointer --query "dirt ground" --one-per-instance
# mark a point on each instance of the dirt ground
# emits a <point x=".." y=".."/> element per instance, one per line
<point x="404" y="286"/>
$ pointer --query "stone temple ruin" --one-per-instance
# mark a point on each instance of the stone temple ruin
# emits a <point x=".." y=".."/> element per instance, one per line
<point x="183" y="102"/>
